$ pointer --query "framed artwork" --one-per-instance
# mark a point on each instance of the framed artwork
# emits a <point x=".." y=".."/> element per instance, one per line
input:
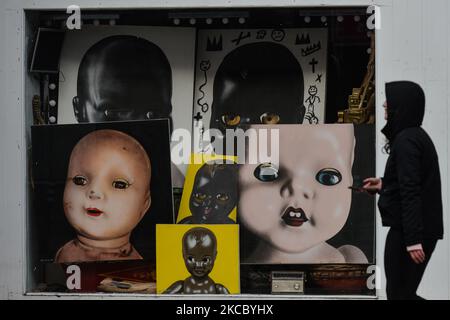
<point x="259" y="76"/>
<point x="197" y="259"/>
<point x="98" y="190"/>
<point x="303" y="210"/>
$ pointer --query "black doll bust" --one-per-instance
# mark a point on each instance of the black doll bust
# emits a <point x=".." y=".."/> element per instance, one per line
<point x="214" y="195"/>
<point x="199" y="254"/>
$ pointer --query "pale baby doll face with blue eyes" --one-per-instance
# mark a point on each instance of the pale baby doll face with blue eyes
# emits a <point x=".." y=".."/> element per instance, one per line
<point x="107" y="189"/>
<point x="306" y="199"/>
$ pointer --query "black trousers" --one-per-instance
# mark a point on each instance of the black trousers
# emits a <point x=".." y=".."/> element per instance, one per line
<point x="403" y="275"/>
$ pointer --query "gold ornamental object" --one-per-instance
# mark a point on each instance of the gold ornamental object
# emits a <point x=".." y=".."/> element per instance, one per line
<point x="361" y="103"/>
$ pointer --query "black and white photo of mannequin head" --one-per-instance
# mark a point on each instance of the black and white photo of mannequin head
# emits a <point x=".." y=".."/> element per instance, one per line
<point x="257" y="77"/>
<point x="123" y="78"/>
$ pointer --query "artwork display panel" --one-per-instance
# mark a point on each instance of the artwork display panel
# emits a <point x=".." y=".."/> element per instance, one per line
<point x="121" y="73"/>
<point x="99" y="190"/>
<point x="304" y="210"/>
<point x="259" y="76"/>
<point x="189" y="254"/>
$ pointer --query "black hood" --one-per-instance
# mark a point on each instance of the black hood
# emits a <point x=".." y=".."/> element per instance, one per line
<point x="406" y="107"/>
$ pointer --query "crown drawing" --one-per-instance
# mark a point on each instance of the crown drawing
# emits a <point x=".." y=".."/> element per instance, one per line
<point x="311" y="49"/>
<point x="303" y="40"/>
<point x="214" y="44"/>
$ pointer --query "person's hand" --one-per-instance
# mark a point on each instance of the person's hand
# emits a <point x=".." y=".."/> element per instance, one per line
<point x="372" y="185"/>
<point x="418" y="256"/>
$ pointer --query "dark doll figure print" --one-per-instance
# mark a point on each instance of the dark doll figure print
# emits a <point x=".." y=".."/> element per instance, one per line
<point x="258" y="83"/>
<point x="199" y="254"/>
<point x="214" y="194"/>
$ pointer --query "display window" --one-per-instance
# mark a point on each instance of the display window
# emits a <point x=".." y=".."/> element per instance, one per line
<point x="124" y="101"/>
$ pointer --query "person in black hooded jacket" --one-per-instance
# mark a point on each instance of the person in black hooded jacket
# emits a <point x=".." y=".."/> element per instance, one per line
<point x="410" y="199"/>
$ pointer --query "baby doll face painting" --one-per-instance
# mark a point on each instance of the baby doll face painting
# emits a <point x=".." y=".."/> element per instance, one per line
<point x="199" y="251"/>
<point x="306" y="200"/>
<point x="214" y="194"/>
<point x="107" y="189"/>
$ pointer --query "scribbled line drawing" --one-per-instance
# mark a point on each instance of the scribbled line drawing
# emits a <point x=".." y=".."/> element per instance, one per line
<point x="311" y="49"/>
<point x="303" y="40"/>
<point x="278" y="35"/>
<point x="204" y="67"/>
<point x="261" y="34"/>
<point x="319" y="78"/>
<point x="312" y="100"/>
<point x="198" y="117"/>
<point x="202" y="147"/>
<point x="313" y="63"/>
<point x="241" y="37"/>
<point x="214" y="44"/>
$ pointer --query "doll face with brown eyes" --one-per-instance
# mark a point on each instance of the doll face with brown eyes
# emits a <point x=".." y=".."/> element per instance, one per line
<point x="305" y="200"/>
<point x="107" y="189"/>
<point x="258" y="83"/>
<point x="199" y="251"/>
<point x="214" y="194"/>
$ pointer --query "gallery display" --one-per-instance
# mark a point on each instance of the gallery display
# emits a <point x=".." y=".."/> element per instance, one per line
<point x="109" y="204"/>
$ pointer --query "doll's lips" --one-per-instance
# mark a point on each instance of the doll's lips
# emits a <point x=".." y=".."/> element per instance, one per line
<point x="294" y="217"/>
<point x="93" y="212"/>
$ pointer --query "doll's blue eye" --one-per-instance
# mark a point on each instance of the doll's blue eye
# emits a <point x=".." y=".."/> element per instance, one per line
<point x="329" y="177"/>
<point x="266" y="172"/>
<point x="79" y="180"/>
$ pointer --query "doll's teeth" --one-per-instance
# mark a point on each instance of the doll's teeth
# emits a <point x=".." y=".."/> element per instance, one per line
<point x="292" y="214"/>
<point x="298" y="214"/>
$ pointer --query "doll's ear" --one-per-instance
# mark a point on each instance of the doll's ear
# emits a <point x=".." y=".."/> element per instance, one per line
<point x="148" y="202"/>
<point x="78" y="110"/>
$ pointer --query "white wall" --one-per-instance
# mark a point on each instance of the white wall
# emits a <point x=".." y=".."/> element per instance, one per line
<point x="412" y="44"/>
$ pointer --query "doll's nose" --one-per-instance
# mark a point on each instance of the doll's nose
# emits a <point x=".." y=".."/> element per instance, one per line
<point x="296" y="187"/>
<point x="95" y="195"/>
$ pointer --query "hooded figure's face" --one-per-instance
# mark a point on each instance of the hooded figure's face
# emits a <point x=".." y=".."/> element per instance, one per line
<point x="214" y="194"/>
<point x="405" y="107"/>
<point x="258" y="83"/>
<point x="199" y="251"/>
<point x="123" y="78"/>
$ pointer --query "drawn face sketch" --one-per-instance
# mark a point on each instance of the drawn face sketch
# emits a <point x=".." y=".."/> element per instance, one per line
<point x="305" y="201"/>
